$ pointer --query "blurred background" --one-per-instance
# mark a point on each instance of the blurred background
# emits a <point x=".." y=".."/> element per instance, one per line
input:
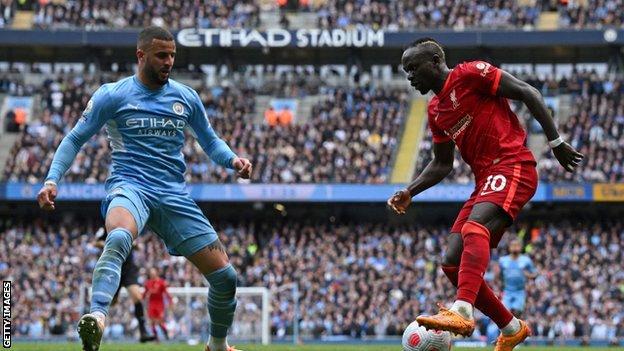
<point x="312" y="92"/>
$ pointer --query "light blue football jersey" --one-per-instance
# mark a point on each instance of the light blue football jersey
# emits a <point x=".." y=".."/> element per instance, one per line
<point x="514" y="278"/>
<point x="146" y="132"/>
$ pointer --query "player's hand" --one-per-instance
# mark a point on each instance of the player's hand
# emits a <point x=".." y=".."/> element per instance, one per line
<point x="46" y="197"/>
<point x="400" y="201"/>
<point x="243" y="167"/>
<point x="567" y="156"/>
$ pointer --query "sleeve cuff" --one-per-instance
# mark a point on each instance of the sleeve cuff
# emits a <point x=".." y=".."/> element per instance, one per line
<point x="496" y="81"/>
<point x="440" y="139"/>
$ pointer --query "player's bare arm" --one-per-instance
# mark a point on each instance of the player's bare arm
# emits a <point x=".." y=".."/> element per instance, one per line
<point x="530" y="275"/>
<point x="436" y="170"/>
<point x="513" y="88"/>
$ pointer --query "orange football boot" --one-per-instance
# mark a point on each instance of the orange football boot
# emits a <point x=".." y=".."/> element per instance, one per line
<point x="508" y="342"/>
<point x="449" y="321"/>
<point x="230" y="348"/>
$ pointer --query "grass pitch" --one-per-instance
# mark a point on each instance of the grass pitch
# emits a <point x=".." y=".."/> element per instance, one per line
<point x="182" y="347"/>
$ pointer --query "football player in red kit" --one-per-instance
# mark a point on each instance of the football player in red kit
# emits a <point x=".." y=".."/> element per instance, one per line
<point x="470" y="110"/>
<point x="155" y="293"/>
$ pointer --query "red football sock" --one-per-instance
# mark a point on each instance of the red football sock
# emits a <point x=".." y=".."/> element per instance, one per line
<point x="474" y="260"/>
<point x="486" y="301"/>
<point x="154" y="330"/>
<point x="164" y="329"/>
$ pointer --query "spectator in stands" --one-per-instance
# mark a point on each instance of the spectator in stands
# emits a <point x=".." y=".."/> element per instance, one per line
<point x="11" y="124"/>
<point x="270" y="117"/>
<point x="355" y="125"/>
<point x="7" y="12"/>
<point x="101" y="14"/>
<point x="369" y="279"/>
<point x="285" y="117"/>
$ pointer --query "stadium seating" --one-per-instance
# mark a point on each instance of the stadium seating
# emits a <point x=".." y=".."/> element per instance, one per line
<point x="596" y="14"/>
<point x="387" y="272"/>
<point x="595" y="128"/>
<point x="349" y="138"/>
<point x="390" y="15"/>
<point x="94" y="15"/>
<point x="402" y="15"/>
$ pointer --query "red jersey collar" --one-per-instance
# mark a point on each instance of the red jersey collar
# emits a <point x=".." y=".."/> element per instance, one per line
<point x="446" y="84"/>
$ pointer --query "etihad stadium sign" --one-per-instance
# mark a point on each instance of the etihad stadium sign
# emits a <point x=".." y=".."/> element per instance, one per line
<point x="303" y="38"/>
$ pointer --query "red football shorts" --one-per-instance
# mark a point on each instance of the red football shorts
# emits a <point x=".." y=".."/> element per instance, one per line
<point x="156" y="311"/>
<point x="509" y="186"/>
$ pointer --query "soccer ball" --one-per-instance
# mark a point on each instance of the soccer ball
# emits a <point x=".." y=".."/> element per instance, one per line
<point x="417" y="338"/>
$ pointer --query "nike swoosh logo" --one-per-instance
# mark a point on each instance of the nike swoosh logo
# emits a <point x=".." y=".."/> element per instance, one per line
<point x="487" y="192"/>
<point x="136" y="107"/>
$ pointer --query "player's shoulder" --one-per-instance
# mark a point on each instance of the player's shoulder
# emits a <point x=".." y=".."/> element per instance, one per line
<point x="473" y="67"/>
<point x="433" y="103"/>
<point x="116" y="90"/>
<point x="503" y="259"/>
<point x="182" y="88"/>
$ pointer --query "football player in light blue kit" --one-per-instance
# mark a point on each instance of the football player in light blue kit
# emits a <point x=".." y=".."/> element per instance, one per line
<point x="515" y="269"/>
<point x="145" y="116"/>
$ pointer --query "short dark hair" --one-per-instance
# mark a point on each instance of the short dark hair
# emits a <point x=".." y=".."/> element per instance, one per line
<point x="430" y="44"/>
<point x="148" y="34"/>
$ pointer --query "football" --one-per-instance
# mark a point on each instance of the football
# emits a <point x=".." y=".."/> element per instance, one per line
<point x="417" y="338"/>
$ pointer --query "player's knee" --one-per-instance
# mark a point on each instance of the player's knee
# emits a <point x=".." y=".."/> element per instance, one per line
<point x="120" y="217"/>
<point x="223" y="281"/>
<point x="452" y="256"/>
<point x="474" y="228"/>
<point x="119" y="239"/>
<point x="451" y="259"/>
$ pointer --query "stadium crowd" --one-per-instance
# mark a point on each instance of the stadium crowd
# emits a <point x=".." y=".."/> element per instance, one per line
<point x="594" y="126"/>
<point x="103" y="14"/>
<point x="350" y="136"/>
<point x="412" y="14"/>
<point x="592" y="14"/>
<point x="369" y="279"/>
<point x="389" y="15"/>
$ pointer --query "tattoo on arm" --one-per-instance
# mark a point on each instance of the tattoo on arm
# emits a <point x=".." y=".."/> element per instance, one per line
<point x="216" y="246"/>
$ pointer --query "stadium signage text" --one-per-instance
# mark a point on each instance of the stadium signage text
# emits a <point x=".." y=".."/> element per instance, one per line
<point x="609" y="192"/>
<point x="276" y="37"/>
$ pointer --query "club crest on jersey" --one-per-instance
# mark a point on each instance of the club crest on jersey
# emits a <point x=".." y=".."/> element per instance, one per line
<point x="484" y="68"/>
<point x="454" y="100"/>
<point x="89" y="106"/>
<point x="86" y="111"/>
<point x="178" y="108"/>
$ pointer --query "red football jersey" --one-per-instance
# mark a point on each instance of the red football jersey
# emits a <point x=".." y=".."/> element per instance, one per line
<point x="156" y="290"/>
<point x="481" y="123"/>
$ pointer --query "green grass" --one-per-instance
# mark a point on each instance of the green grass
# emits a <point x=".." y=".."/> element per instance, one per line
<point x="181" y="347"/>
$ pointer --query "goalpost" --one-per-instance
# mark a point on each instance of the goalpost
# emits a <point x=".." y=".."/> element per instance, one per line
<point x="189" y="318"/>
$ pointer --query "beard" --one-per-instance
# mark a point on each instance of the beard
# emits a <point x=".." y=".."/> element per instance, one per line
<point x="155" y="76"/>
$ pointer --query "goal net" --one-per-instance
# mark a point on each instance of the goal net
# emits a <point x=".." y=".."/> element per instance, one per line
<point x="188" y="319"/>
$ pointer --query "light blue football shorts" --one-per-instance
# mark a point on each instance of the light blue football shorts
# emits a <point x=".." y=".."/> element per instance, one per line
<point x="514" y="300"/>
<point x="175" y="218"/>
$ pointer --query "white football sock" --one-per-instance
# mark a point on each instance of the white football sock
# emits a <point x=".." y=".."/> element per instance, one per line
<point x="512" y="328"/>
<point x="100" y="317"/>
<point x="463" y="308"/>
<point x="217" y="344"/>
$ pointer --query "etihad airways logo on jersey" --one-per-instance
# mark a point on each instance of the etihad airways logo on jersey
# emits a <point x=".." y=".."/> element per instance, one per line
<point x="459" y="127"/>
<point x="157" y="126"/>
